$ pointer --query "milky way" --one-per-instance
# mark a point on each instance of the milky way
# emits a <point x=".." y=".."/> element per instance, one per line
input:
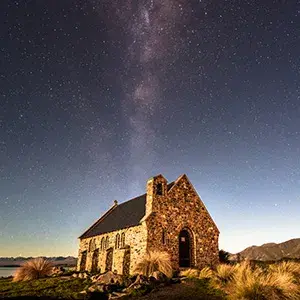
<point x="153" y="40"/>
<point x="99" y="95"/>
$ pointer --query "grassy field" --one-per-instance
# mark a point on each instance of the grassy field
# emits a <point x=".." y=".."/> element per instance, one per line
<point x="70" y="288"/>
<point x="280" y="281"/>
<point x="58" y="287"/>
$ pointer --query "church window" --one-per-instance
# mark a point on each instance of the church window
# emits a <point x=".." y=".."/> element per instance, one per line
<point x="107" y="243"/>
<point x="92" y="245"/>
<point x="159" y="189"/>
<point x="102" y="245"/>
<point x="117" y="243"/>
<point x="123" y="240"/>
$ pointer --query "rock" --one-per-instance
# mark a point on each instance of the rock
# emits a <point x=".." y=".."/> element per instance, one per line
<point x="109" y="278"/>
<point x="97" y="288"/>
<point x="118" y="295"/>
<point x="83" y="275"/>
<point x="137" y="284"/>
<point x="58" y="270"/>
<point x="94" y="277"/>
<point x="175" y="280"/>
<point x="75" y="275"/>
<point x="159" y="276"/>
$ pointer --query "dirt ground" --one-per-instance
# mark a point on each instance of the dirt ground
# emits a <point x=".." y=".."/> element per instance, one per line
<point x="182" y="291"/>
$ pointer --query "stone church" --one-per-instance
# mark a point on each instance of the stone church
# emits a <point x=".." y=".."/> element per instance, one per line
<point x="169" y="217"/>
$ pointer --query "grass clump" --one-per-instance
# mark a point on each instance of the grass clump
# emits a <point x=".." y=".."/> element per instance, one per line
<point x="34" y="269"/>
<point x="244" y="282"/>
<point x="223" y="275"/>
<point x="286" y="266"/>
<point x="205" y="273"/>
<point x="248" y="284"/>
<point x="155" y="261"/>
<point x="190" y="273"/>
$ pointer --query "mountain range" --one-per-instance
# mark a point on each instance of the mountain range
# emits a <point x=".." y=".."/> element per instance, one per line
<point x="57" y="261"/>
<point x="271" y="251"/>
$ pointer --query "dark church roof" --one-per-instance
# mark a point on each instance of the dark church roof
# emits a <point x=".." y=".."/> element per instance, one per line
<point x="120" y="216"/>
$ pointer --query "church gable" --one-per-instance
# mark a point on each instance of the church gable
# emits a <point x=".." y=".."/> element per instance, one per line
<point x="180" y="211"/>
<point x="185" y="190"/>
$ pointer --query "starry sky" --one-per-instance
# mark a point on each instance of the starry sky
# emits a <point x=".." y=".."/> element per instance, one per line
<point x="98" y="96"/>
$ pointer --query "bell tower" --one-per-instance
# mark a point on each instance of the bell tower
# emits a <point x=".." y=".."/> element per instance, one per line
<point x="156" y="187"/>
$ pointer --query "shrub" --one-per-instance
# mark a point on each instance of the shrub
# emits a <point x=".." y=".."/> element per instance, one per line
<point x="155" y="261"/>
<point x="224" y="257"/>
<point x="33" y="269"/>
<point x="190" y="273"/>
<point x="205" y="273"/>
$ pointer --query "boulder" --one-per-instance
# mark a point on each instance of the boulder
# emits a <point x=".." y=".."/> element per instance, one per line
<point x="175" y="280"/>
<point x="58" y="270"/>
<point x="83" y="275"/>
<point x="109" y="278"/>
<point x="97" y="288"/>
<point x="139" y="282"/>
<point x="118" y="295"/>
<point x="159" y="276"/>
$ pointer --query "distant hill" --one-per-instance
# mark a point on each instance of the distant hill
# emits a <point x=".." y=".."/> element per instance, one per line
<point x="57" y="261"/>
<point x="271" y="251"/>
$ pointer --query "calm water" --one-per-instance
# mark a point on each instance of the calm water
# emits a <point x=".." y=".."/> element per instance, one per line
<point x="7" y="271"/>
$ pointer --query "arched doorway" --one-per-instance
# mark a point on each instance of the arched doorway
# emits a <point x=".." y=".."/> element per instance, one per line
<point x="184" y="249"/>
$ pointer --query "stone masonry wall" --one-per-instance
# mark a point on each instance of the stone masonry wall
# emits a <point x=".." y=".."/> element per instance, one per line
<point x="135" y="240"/>
<point x="180" y="208"/>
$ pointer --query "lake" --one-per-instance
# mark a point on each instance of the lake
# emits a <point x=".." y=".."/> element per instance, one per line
<point x="7" y="271"/>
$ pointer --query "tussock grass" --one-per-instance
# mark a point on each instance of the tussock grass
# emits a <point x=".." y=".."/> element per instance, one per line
<point x="286" y="266"/>
<point x="190" y="273"/>
<point x="244" y="282"/>
<point x="205" y="273"/>
<point x="223" y="275"/>
<point x="33" y="269"/>
<point x="284" y="285"/>
<point x="248" y="283"/>
<point x="155" y="261"/>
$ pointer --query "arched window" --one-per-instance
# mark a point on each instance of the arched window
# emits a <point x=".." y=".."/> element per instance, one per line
<point x="123" y="240"/>
<point x="92" y="245"/>
<point x="107" y="243"/>
<point x="117" y="243"/>
<point x="102" y="246"/>
<point x="159" y="189"/>
<point x="163" y="237"/>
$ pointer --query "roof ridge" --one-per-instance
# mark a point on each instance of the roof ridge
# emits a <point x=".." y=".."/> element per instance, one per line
<point x="100" y="219"/>
<point x="132" y="199"/>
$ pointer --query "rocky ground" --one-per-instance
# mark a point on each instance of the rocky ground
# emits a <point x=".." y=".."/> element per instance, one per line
<point x="107" y="286"/>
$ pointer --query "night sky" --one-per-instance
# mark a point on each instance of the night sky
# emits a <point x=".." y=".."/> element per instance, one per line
<point x="98" y="96"/>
